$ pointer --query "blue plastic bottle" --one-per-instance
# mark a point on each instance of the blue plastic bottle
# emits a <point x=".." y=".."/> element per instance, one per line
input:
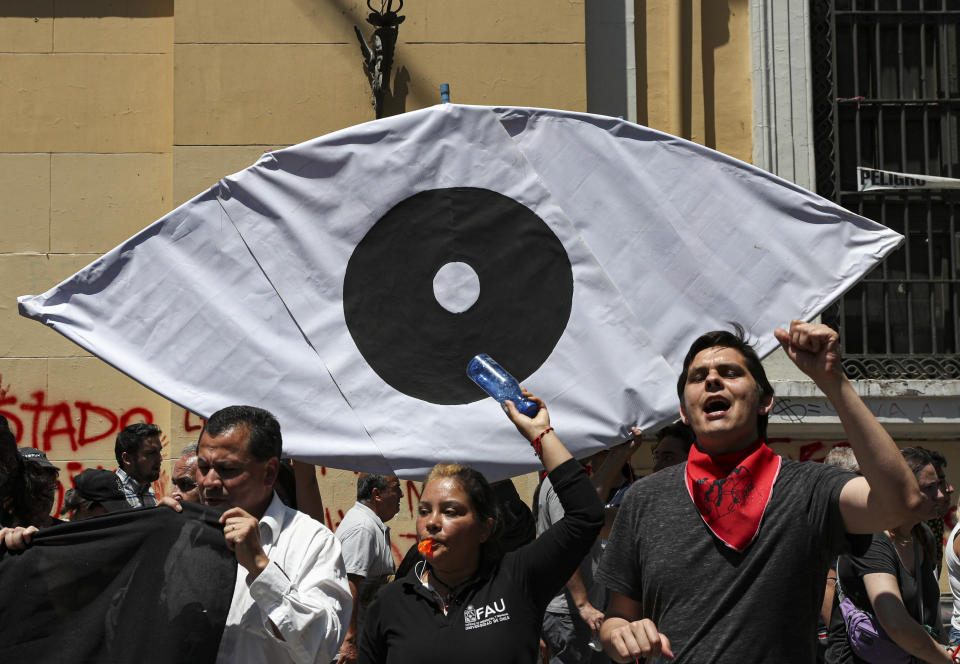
<point x="496" y="382"/>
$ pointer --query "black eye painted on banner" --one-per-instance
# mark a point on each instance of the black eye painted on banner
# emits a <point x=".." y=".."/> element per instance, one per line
<point x="412" y="341"/>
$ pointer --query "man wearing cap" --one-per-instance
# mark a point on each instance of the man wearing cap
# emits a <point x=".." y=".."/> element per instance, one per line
<point x="43" y="482"/>
<point x="138" y="452"/>
<point x="97" y="492"/>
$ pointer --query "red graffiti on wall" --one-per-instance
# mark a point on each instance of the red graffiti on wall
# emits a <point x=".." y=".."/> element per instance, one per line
<point x="188" y="422"/>
<point x="411" y="492"/>
<point x="50" y="421"/>
<point x="807" y="451"/>
<point x="330" y="524"/>
<point x="397" y="554"/>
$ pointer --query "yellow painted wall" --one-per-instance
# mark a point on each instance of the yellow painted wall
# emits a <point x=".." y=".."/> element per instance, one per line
<point x="86" y="132"/>
<point x="713" y="92"/>
<point x="112" y="114"/>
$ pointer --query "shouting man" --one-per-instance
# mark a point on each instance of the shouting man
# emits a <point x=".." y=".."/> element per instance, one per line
<point x="723" y="558"/>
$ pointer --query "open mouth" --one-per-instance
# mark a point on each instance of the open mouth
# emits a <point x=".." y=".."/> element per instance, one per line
<point x="716" y="407"/>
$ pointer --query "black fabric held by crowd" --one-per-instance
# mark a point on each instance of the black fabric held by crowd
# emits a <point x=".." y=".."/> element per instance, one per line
<point x="409" y="339"/>
<point x="147" y="585"/>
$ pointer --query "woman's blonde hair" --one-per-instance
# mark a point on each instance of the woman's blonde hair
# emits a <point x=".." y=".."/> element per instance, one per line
<point x="482" y="499"/>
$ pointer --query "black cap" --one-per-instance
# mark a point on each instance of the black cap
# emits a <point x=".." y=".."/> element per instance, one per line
<point x="101" y="486"/>
<point x="35" y="455"/>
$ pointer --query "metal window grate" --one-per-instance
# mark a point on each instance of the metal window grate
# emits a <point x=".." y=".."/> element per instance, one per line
<point x="887" y="95"/>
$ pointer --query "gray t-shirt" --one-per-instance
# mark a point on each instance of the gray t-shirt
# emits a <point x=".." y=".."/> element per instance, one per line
<point x="549" y="511"/>
<point x="717" y="605"/>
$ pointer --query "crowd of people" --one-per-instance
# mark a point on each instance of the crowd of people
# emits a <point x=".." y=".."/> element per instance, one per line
<point x="726" y="552"/>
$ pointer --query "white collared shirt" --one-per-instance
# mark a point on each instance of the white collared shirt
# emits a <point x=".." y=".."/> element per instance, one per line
<point x="303" y="591"/>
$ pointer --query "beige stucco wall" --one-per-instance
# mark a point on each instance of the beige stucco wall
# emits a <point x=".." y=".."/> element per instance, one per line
<point x="112" y="114"/>
<point x="110" y="117"/>
<point x="699" y="89"/>
<point x="86" y="131"/>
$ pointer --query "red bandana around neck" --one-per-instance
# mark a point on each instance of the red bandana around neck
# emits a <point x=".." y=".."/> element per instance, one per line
<point x="731" y="491"/>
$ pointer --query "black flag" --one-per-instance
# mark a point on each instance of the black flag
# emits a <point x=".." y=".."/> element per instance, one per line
<point x="147" y="585"/>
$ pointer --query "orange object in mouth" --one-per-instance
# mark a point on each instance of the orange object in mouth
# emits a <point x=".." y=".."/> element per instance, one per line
<point x="426" y="547"/>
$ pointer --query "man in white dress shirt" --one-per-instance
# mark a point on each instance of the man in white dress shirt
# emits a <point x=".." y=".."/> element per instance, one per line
<point x="291" y="602"/>
<point x="366" y="548"/>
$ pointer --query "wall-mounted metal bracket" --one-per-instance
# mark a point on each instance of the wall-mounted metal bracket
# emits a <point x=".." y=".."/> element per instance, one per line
<point x="378" y="54"/>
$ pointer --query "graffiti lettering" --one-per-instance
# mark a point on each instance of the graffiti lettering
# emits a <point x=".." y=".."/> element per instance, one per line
<point x="411" y="492"/>
<point x="330" y="524"/>
<point x="86" y="407"/>
<point x="52" y="421"/>
<point x="188" y="424"/>
<point x="807" y="451"/>
<point x="135" y="415"/>
<point x="789" y="411"/>
<point x="915" y="410"/>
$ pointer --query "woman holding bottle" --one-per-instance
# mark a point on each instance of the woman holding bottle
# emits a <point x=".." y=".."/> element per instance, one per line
<point x="466" y="602"/>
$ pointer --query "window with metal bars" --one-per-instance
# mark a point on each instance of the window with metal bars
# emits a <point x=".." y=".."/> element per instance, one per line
<point x="886" y="87"/>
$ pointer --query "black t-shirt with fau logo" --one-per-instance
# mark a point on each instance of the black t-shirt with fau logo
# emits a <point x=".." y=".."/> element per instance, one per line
<point x="495" y="618"/>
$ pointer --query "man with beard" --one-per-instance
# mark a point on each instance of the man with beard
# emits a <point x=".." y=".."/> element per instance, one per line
<point x="138" y="452"/>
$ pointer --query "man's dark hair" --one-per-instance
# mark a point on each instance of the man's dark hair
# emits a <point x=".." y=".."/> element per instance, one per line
<point x="286" y="484"/>
<point x="130" y="440"/>
<point x="38" y="480"/>
<point x="677" y="430"/>
<point x="738" y="341"/>
<point x="939" y="461"/>
<point x="367" y="482"/>
<point x="917" y="458"/>
<point x="265" y="441"/>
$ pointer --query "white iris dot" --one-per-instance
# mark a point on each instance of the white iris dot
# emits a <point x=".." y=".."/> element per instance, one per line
<point x="456" y="287"/>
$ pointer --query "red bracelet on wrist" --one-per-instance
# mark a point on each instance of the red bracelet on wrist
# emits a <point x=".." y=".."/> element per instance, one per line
<point x="536" y="443"/>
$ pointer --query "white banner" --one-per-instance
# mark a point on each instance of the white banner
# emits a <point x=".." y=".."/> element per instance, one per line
<point x="345" y="282"/>
<point x="871" y="179"/>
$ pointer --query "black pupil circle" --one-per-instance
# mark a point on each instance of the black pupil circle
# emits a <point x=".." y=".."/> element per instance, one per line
<point x="409" y="339"/>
